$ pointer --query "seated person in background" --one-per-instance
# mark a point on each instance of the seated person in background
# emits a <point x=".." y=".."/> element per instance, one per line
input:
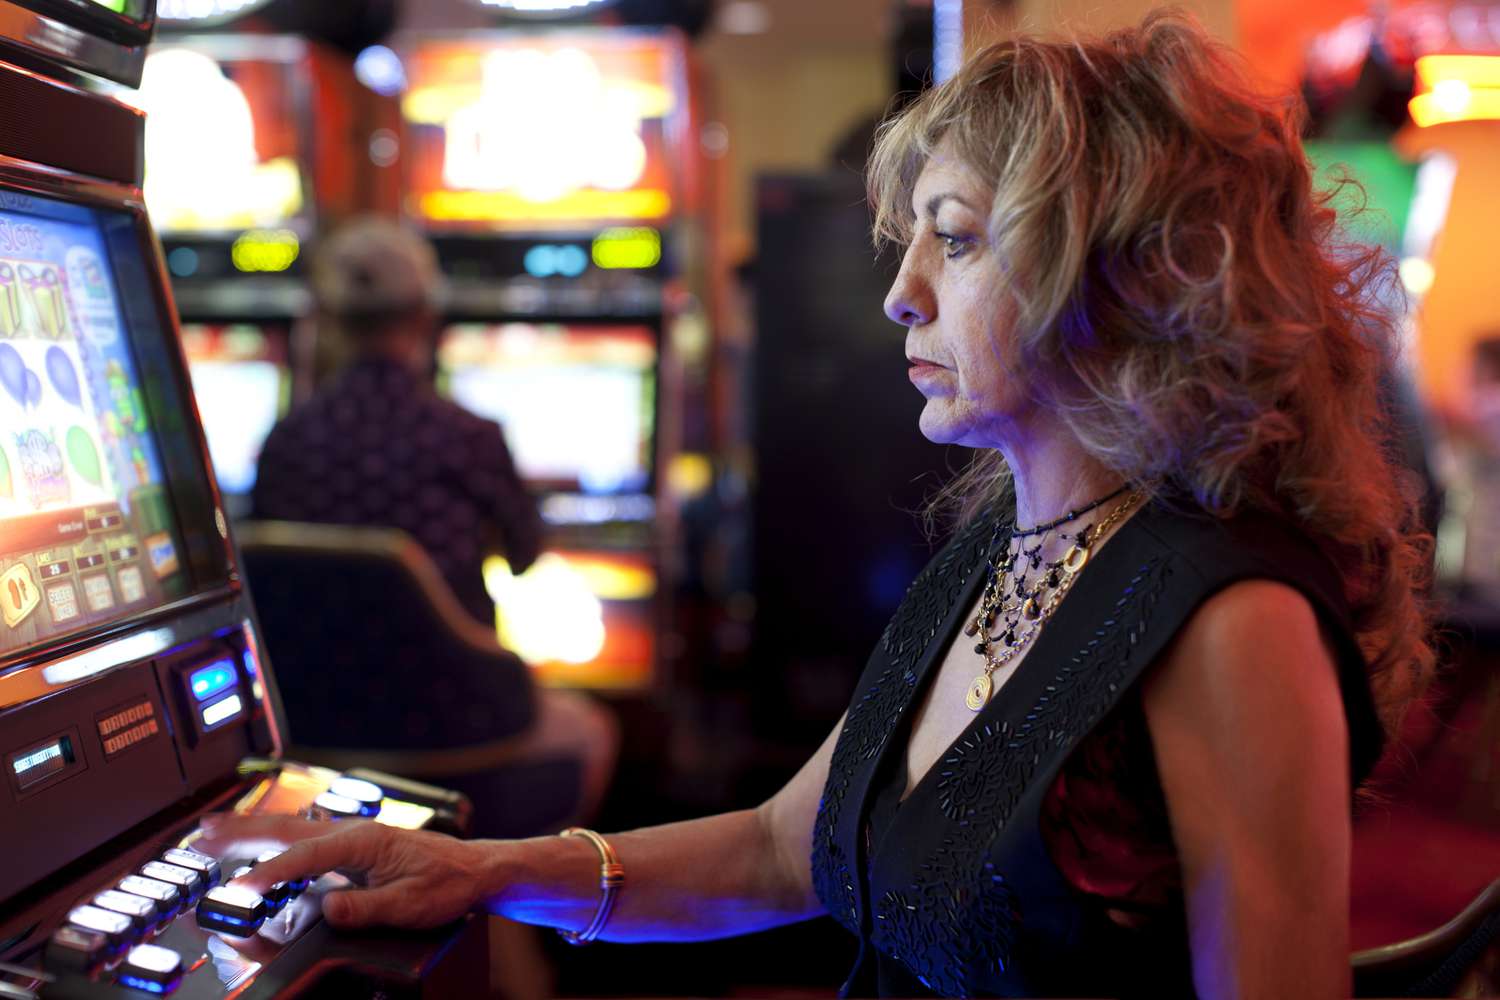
<point x="377" y="446"/>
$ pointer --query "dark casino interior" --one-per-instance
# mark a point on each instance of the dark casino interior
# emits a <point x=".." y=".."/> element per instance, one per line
<point x="635" y="235"/>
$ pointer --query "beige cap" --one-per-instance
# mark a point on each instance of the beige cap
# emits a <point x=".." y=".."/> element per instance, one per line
<point x="374" y="264"/>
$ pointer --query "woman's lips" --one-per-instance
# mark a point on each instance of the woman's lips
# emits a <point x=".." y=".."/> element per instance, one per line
<point x="923" y="371"/>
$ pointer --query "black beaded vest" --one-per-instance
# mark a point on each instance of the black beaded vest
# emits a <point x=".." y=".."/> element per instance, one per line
<point x="958" y="896"/>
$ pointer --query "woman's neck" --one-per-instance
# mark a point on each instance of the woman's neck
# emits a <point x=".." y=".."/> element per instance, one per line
<point x="1054" y="475"/>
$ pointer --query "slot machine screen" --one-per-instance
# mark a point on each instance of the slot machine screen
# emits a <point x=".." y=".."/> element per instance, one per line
<point x="89" y="527"/>
<point x="241" y="383"/>
<point x="223" y="150"/>
<point x="527" y="130"/>
<point x="578" y="404"/>
<point x="136" y="10"/>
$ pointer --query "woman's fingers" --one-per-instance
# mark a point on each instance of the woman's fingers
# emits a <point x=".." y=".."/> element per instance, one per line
<point x="355" y="846"/>
<point x="416" y="878"/>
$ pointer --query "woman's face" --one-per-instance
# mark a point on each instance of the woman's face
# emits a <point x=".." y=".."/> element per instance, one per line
<point x="951" y="296"/>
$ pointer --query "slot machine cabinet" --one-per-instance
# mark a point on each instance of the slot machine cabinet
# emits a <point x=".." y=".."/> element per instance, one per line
<point x="134" y="696"/>
<point x="560" y="219"/>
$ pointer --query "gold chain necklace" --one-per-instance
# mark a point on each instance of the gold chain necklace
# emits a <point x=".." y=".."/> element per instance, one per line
<point x="1032" y="608"/>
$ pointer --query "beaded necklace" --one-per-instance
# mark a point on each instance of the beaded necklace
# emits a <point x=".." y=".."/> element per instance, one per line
<point x="1022" y="602"/>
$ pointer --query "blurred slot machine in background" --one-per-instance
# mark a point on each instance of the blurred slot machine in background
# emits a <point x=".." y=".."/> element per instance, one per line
<point x="551" y="172"/>
<point x="247" y="159"/>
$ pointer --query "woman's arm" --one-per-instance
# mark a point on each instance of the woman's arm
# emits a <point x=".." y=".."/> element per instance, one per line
<point x="1251" y="741"/>
<point x="728" y="874"/>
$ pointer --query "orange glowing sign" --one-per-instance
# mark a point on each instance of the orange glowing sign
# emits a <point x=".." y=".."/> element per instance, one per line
<point x="1455" y="88"/>
<point x="555" y="130"/>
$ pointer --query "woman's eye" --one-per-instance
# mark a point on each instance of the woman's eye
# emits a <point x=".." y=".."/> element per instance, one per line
<point x="953" y="246"/>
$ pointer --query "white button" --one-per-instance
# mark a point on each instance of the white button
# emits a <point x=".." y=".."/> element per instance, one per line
<point x="234" y="895"/>
<point x="189" y="859"/>
<point x="153" y="958"/>
<point x="150" y="888"/>
<point x="103" y="921"/>
<point x="131" y="905"/>
<point x="175" y="874"/>
<point x="339" y="805"/>
<point x="357" y="789"/>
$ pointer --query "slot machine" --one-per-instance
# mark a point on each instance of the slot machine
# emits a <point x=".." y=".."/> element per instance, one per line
<point x="254" y="143"/>
<point x="134" y="696"/>
<point x="550" y="170"/>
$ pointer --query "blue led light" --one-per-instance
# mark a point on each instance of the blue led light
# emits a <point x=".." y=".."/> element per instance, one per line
<point x="208" y="681"/>
<point x="547" y="259"/>
<point x="135" y="982"/>
<point x="380" y="69"/>
<point x="183" y="262"/>
<point x="539" y="261"/>
<point x="571" y="261"/>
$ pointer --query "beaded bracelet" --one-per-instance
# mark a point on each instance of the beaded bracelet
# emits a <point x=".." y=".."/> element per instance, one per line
<point x="611" y="878"/>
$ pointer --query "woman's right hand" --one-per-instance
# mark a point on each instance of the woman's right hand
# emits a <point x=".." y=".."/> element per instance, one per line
<point x="411" y="878"/>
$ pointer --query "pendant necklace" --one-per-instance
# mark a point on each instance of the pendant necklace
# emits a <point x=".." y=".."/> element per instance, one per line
<point x="1024" y="588"/>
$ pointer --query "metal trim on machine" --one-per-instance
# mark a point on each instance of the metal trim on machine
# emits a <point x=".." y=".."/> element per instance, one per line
<point x="48" y="38"/>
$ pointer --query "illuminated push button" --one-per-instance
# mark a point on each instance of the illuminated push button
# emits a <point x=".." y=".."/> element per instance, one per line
<point x="230" y="909"/>
<point x="140" y="910"/>
<point x="338" y="806"/>
<point x="151" y="968"/>
<point x="76" y="948"/>
<point x="166" y="896"/>
<point x="115" y="927"/>
<point x="185" y="879"/>
<point x="368" y="794"/>
<point x="194" y="861"/>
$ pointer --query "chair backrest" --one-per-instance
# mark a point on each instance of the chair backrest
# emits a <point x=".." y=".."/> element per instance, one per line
<point x="370" y="648"/>
<point x="1436" y="962"/>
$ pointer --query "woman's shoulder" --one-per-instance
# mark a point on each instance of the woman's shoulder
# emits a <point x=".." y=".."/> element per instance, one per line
<point x="1258" y="580"/>
<point x="1248" y="545"/>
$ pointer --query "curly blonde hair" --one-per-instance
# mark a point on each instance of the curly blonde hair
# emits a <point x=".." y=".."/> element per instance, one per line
<point x="1183" y="298"/>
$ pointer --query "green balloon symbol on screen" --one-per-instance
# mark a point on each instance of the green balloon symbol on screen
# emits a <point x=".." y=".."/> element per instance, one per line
<point x="5" y="488"/>
<point x="84" y="456"/>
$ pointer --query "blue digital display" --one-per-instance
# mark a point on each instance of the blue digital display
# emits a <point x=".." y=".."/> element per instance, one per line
<point x="213" y="679"/>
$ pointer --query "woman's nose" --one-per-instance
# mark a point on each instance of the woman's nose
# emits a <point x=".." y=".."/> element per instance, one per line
<point x="909" y="302"/>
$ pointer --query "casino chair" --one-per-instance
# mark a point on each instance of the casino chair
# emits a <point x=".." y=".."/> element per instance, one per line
<point x="1455" y="959"/>
<point x="380" y="667"/>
